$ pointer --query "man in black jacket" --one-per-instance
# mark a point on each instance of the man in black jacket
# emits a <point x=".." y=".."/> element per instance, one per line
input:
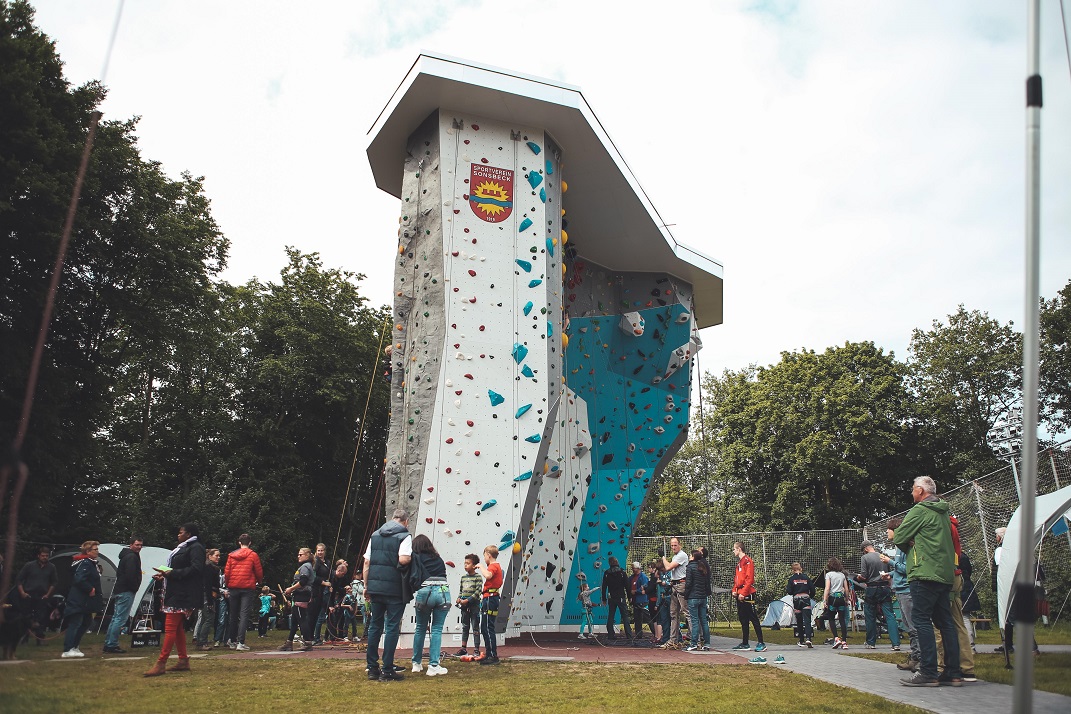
<point x="615" y="595"/>
<point x="127" y="582"/>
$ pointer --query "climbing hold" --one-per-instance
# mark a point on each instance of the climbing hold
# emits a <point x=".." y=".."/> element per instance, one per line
<point x="528" y="308"/>
<point x="495" y="397"/>
<point x="516" y="547"/>
<point x="525" y="265"/>
<point x="525" y="225"/>
<point x="488" y="504"/>
<point x="534" y="147"/>
<point x="523" y="410"/>
<point x="534" y="283"/>
<point x="527" y="371"/>
<point x="550" y="330"/>
<point x="524" y="477"/>
<point x="565" y="237"/>
<point x="607" y="458"/>
<point x="542" y="194"/>
<point x="533" y="439"/>
<point x="550" y="247"/>
<point x="565" y="186"/>
<point x="519" y="352"/>
<point x="565" y="340"/>
<point x="535" y="178"/>
<point x="550" y="167"/>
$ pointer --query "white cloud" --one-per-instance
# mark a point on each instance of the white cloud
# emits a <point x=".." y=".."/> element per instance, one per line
<point x="857" y="167"/>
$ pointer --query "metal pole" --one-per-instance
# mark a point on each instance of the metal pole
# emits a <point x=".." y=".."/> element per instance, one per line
<point x="981" y="520"/>
<point x="1015" y="478"/>
<point x="1023" y="606"/>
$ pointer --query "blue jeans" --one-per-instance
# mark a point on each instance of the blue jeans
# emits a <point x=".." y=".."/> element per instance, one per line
<point x="120" y="615"/>
<point x="386" y="623"/>
<point x="932" y="608"/>
<point x="436" y="617"/>
<point x="77" y="625"/>
<point x="697" y="610"/>
<point x="206" y="616"/>
<point x="880" y="598"/>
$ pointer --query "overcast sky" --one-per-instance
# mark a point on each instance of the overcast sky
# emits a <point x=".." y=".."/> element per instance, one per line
<point x="857" y="167"/>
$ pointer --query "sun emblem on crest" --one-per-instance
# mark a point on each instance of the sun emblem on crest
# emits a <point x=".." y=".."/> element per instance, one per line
<point x="492" y="191"/>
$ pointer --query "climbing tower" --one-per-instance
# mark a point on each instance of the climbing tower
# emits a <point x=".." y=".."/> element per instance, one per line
<point x="544" y="324"/>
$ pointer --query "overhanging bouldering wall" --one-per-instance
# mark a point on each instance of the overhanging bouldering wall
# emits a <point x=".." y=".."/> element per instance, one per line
<point x="540" y="381"/>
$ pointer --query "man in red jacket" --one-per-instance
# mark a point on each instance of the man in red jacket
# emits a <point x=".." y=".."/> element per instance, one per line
<point x="242" y="574"/>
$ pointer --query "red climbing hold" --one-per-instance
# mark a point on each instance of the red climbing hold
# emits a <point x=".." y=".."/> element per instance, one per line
<point x="450" y="440"/>
<point x="468" y="376"/>
<point x="469" y="422"/>
<point x="472" y="273"/>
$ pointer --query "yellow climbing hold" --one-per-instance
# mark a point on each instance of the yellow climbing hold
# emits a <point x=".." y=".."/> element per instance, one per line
<point x="565" y="187"/>
<point x="565" y="340"/>
<point x="565" y="237"/>
<point x="516" y="547"/>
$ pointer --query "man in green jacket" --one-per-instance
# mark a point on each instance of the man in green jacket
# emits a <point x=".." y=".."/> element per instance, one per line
<point x="926" y="537"/>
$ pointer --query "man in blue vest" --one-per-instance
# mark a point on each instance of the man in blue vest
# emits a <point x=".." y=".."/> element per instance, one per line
<point x="386" y="562"/>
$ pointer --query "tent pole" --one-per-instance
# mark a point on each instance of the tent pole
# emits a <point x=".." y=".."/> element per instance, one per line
<point x="1023" y="605"/>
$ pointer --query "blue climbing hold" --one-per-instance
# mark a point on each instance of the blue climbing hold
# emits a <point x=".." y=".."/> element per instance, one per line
<point x="534" y="283"/>
<point x="550" y="330"/>
<point x="523" y="410"/>
<point x="525" y="265"/>
<point x="550" y="247"/>
<point x="528" y="308"/>
<point x="550" y="168"/>
<point x="542" y="194"/>
<point x="496" y="398"/>
<point x="525" y="225"/>
<point x="533" y="439"/>
<point x="508" y="537"/>
<point x="527" y="371"/>
<point x="519" y="352"/>
<point x="488" y="504"/>
<point x="534" y="147"/>
<point x="524" y="477"/>
<point x="535" y="178"/>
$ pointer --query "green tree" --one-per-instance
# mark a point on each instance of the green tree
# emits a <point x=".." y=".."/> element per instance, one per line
<point x="817" y="440"/>
<point x="965" y="375"/>
<point x="1056" y="358"/>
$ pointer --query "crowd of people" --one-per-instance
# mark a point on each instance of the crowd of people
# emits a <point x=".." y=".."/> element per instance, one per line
<point x="924" y="570"/>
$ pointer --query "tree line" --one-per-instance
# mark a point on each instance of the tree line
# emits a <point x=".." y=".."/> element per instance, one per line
<point x="167" y="394"/>
<point x="833" y="439"/>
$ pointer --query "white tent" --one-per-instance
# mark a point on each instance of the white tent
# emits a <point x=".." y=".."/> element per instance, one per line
<point x="109" y="560"/>
<point x="1048" y="509"/>
<point x="781" y="613"/>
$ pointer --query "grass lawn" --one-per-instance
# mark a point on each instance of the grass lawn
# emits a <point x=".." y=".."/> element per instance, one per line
<point x="96" y="684"/>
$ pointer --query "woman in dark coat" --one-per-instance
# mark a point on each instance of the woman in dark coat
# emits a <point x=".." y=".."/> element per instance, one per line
<point x="183" y="584"/>
<point x="696" y="592"/>
<point x="84" y="598"/>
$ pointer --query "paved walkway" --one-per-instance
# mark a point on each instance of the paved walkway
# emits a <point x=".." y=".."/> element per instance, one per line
<point x="883" y="679"/>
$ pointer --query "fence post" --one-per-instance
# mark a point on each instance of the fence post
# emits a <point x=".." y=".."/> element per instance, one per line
<point x="765" y="575"/>
<point x="985" y="531"/>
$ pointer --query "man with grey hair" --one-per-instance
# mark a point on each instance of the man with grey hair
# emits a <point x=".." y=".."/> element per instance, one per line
<point x="386" y="562"/>
<point x="926" y="537"/>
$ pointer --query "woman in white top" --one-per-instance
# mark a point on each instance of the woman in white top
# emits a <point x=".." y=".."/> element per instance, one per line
<point x="835" y="601"/>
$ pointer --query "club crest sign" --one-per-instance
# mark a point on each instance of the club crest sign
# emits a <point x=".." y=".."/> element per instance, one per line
<point x="491" y="192"/>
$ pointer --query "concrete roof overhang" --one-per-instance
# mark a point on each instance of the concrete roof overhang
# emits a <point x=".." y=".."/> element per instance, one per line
<point x="610" y="217"/>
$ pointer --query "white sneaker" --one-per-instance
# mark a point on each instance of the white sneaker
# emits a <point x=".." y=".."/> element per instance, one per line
<point x="418" y="668"/>
<point x="581" y="636"/>
<point x="435" y="670"/>
<point x="242" y="647"/>
<point x="73" y="652"/>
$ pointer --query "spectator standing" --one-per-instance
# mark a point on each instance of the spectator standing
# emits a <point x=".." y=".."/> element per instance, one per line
<point x="243" y="572"/>
<point x="127" y="582"/>
<point x="697" y="591"/>
<point x="677" y="567"/>
<point x="926" y="537"/>
<point x="492" y="585"/>
<point x="35" y="583"/>
<point x="431" y="601"/>
<point x="963" y="640"/>
<point x="897" y="565"/>
<point x="744" y="593"/>
<point x="265" y="611"/>
<point x="615" y="595"/>
<point x="801" y="589"/>
<point x="835" y="601"/>
<point x="183" y="592"/>
<point x="468" y="602"/>
<point x="301" y="591"/>
<point x="389" y="552"/>
<point x="84" y="598"/>
<point x="878" y="597"/>
<point x="206" y="616"/>
<point x="637" y="588"/>
<point x="653" y="613"/>
<point x="321" y="593"/>
<point x="971" y="604"/>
